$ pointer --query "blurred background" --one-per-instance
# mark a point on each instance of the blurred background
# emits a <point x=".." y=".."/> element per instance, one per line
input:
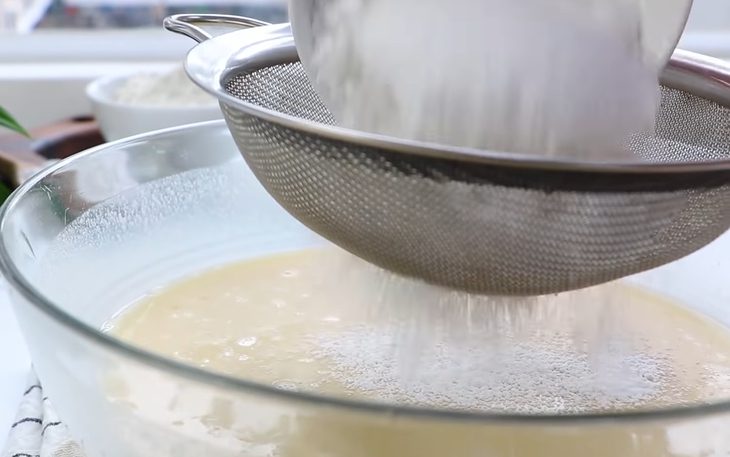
<point x="50" y="49"/>
<point x="26" y="15"/>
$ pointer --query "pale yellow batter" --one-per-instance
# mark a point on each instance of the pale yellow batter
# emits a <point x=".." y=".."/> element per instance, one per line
<point x="317" y="321"/>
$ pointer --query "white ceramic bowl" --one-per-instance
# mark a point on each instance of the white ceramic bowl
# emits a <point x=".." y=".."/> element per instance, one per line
<point x="120" y="120"/>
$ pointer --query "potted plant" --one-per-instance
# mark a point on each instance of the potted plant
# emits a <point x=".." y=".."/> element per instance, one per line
<point x="7" y="121"/>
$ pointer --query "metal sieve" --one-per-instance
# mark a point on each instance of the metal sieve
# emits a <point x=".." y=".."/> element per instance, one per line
<point x="480" y="221"/>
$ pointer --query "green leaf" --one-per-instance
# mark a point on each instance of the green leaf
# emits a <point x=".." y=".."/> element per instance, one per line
<point x="4" y="193"/>
<point x="7" y="121"/>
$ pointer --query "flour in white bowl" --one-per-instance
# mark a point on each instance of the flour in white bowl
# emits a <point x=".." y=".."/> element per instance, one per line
<point x="170" y="89"/>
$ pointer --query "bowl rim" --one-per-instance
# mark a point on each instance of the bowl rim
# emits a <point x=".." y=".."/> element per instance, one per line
<point x="96" y="92"/>
<point x="92" y="335"/>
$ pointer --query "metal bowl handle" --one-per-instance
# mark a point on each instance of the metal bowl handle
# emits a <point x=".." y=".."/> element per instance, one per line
<point x="187" y="24"/>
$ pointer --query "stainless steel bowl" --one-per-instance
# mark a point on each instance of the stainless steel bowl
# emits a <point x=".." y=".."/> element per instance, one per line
<point x="490" y="222"/>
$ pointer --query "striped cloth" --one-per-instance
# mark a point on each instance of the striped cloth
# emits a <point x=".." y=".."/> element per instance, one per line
<point x="37" y="430"/>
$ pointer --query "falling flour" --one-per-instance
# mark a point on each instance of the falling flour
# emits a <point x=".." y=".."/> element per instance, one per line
<point x="550" y="77"/>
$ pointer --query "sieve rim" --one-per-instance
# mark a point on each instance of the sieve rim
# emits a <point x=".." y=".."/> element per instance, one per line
<point x="212" y="63"/>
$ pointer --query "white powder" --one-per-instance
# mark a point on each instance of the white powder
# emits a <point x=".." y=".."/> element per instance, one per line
<point x="570" y="78"/>
<point x="518" y="376"/>
<point x="552" y="77"/>
<point x="588" y="350"/>
<point x="172" y="88"/>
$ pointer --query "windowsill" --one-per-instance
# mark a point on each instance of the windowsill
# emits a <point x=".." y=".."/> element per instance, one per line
<point x="45" y="82"/>
<point x="118" y="45"/>
<point x="712" y="43"/>
<point x="42" y="93"/>
<point x="37" y="72"/>
<point x="43" y="75"/>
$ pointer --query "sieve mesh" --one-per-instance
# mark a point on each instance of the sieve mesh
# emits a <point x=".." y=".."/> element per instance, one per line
<point x="480" y="227"/>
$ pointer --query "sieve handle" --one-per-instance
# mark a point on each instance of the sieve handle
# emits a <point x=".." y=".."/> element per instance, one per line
<point x="186" y="24"/>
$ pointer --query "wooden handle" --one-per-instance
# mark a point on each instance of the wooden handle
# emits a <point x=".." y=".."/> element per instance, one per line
<point x="21" y="156"/>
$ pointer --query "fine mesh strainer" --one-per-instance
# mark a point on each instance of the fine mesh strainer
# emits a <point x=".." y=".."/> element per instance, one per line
<point x="481" y="221"/>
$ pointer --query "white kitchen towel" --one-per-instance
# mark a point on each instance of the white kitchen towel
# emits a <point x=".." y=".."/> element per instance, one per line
<point x="37" y="430"/>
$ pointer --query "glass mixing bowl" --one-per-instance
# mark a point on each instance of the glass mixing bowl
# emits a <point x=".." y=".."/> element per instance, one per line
<point x="99" y="230"/>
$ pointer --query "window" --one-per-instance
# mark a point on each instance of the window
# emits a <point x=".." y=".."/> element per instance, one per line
<point x="708" y="30"/>
<point x="26" y="15"/>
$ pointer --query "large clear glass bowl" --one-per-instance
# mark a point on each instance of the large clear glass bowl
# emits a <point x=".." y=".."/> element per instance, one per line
<point x="97" y="231"/>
